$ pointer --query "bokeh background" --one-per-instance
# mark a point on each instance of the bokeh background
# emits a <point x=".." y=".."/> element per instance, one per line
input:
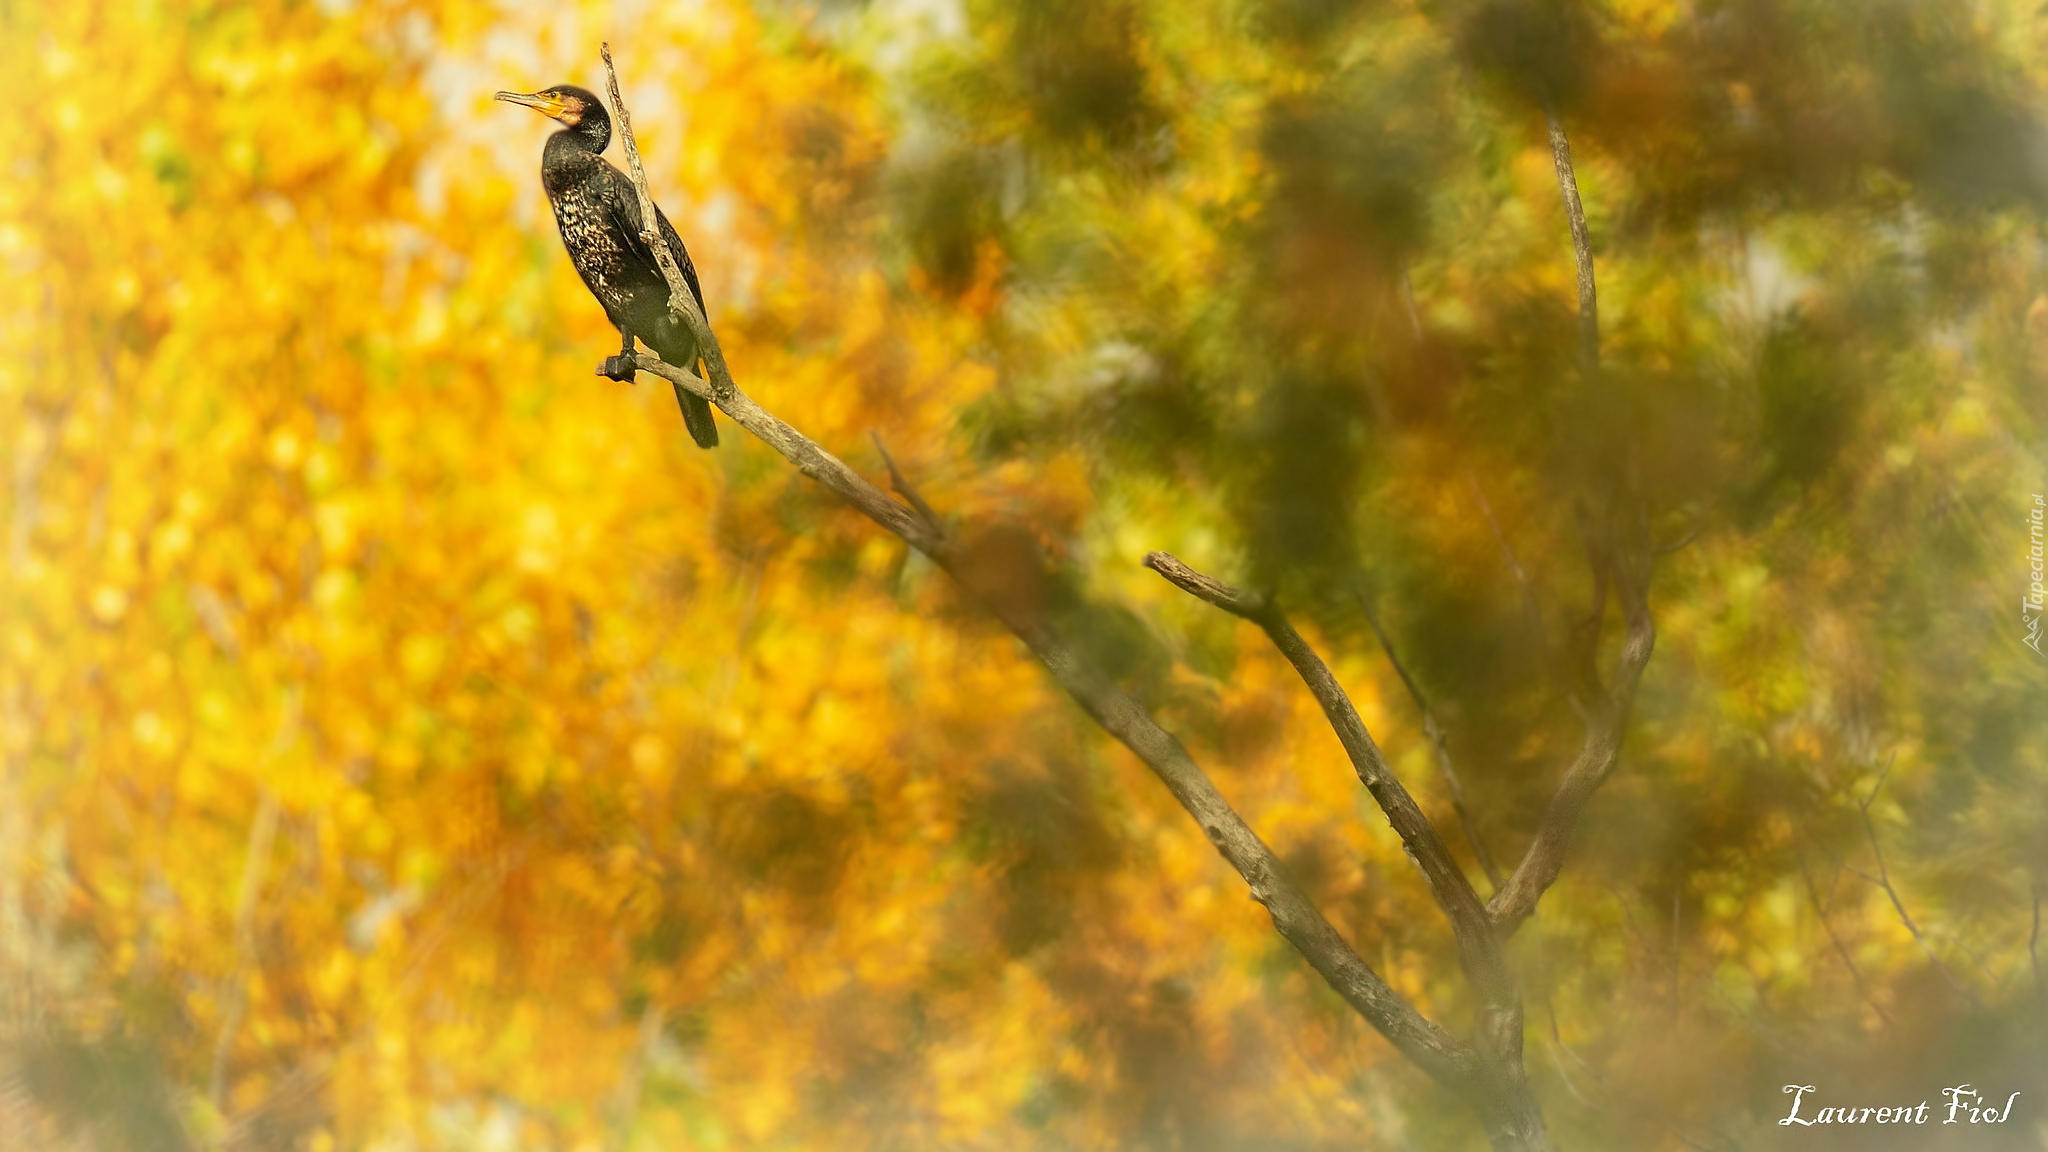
<point x="412" y="742"/>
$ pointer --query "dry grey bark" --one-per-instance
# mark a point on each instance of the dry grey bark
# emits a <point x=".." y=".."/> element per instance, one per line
<point x="1487" y="1071"/>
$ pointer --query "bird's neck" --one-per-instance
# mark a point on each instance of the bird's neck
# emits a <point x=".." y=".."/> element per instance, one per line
<point x="593" y="133"/>
<point x="570" y="155"/>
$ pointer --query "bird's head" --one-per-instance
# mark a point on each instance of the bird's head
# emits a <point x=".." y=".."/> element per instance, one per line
<point x="579" y="110"/>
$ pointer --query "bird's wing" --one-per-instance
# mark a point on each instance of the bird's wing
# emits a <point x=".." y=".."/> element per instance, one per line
<point x="624" y="203"/>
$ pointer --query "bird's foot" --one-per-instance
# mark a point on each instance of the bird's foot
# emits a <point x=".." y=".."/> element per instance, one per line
<point x="618" y="368"/>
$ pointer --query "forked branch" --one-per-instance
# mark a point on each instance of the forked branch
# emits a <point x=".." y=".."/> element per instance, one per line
<point x="1622" y="570"/>
<point x="1606" y="723"/>
<point x="1447" y="882"/>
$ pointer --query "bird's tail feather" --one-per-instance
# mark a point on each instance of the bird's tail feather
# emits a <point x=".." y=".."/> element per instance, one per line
<point x="697" y="414"/>
<point x="673" y="343"/>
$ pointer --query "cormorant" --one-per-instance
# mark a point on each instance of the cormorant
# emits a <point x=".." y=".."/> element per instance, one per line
<point x="598" y="212"/>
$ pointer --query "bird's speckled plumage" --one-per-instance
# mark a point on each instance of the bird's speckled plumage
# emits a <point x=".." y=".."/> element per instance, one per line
<point x="598" y="214"/>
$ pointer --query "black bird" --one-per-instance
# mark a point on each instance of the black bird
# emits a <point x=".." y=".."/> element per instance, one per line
<point x="599" y="215"/>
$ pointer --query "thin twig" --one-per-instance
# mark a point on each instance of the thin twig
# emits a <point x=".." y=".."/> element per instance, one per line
<point x="1408" y="303"/>
<point x="1677" y="956"/>
<point x="1582" y="246"/>
<point x="1530" y="604"/>
<point x="255" y="866"/>
<point x="1679" y="544"/>
<point x="1883" y="880"/>
<point x="1507" y="549"/>
<point x="1629" y="926"/>
<point x="255" y="862"/>
<point x="1555" y="1042"/>
<point x="1435" y="734"/>
<point x="2033" y="954"/>
<point x="1841" y="950"/>
<point x="1586" y="638"/>
<point x="1998" y="982"/>
<point x="903" y="487"/>
<point x="1550" y="1044"/>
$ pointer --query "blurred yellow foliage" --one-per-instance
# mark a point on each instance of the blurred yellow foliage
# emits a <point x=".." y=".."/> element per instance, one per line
<point x="409" y="738"/>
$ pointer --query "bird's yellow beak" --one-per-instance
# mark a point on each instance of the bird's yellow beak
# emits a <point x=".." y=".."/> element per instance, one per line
<point x="549" y="106"/>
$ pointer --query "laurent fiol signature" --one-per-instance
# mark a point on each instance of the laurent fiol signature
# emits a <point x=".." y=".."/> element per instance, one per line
<point x="1964" y="1105"/>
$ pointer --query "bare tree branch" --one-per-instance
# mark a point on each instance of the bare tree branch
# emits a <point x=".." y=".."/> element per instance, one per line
<point x="1435" y="734"/>
<point x="1582" y="246"/>
<point x="1583" y="651"/>
<point x="1883" y="880"/>
<point x="1855" y="974"/>
<point x="1489" y="1077"/>
<point x="1606" y="723"/>
<point x="682" y="303"/>
<point x="1477" y="949"/>
<point x="1294" y="915"/>
<point x="1453" y="892"/>
<point x="1606" y="716"/>
<point x="904" y="487"/>
<point x="2033" y="936"/>
<point x="1530" y="605"/>
<point x="1256" y="607"/>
